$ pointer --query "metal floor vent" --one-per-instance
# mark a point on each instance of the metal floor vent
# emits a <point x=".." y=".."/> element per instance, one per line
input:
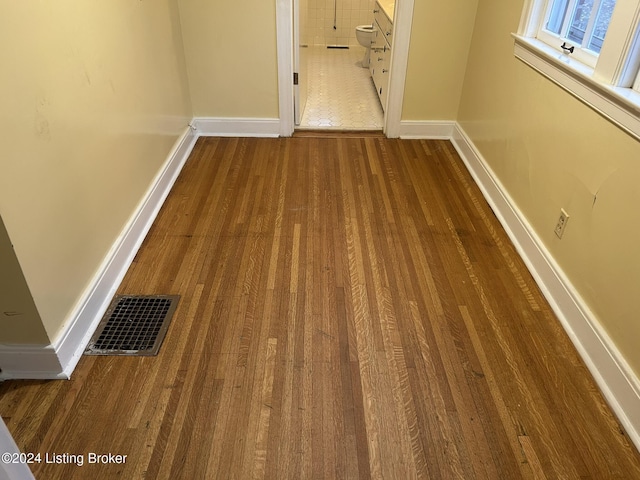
<point x="133" y="325"/>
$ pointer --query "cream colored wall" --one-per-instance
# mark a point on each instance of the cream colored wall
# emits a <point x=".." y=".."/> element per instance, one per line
<point x="20" y="322"/>
<point x="550" y="151"/>
<point x="231" y="57"/>
<point x="440" y="37"/>
<point x="93" y="95"/>
<point x="232" y="60"/>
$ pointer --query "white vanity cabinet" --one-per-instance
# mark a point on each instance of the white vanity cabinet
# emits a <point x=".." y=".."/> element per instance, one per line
<point x="381" y="52"/>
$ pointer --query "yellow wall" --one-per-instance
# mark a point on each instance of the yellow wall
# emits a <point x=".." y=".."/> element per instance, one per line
<point x="550" y="151"/>
<point x="19" y="320"/>
<point x="440" y="37"/>
<point x="93" y="95"/>
<point x="231" y="57"/>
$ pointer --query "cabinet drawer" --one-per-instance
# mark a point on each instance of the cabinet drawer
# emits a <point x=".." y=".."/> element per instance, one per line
<point x="377" y="38"/>
<point x="379" y="66"/>
<point x="386" y="27"/>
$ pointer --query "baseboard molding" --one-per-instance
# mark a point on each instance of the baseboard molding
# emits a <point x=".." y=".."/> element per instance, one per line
<point x="434" y="130"/>
<point x="57" y="361"/>
<point x="30" y="362"/>
<point x="237" y="127"/>
<point x="616" y="379"/>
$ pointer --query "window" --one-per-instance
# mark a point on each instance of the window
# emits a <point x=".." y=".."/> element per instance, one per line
<point x="582" y="24"/>
<point x="589" y="47"/>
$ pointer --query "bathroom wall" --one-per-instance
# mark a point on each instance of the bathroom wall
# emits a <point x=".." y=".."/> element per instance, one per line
<point x="349" y="14"/>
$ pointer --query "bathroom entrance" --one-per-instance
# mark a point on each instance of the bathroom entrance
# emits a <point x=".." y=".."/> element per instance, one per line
<point x="335" y="39"/>
<point x="333" y="86"/>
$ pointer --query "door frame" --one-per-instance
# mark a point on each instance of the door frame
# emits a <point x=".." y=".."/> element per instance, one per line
<point x="11" y="471"/>
<point x="300" y="88"/>
<point x="399" y="60"/>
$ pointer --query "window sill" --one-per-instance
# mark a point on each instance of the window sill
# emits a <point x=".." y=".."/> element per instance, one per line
<point x="620" y="105"/>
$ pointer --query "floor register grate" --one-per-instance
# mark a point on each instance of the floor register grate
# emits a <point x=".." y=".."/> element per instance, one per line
<point x="133" y="325"/>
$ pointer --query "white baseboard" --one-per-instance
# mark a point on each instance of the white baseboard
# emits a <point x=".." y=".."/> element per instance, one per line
<point x="59" y="359"/>
<point x="237" y="127"/>
<point x="616" y="379"/>
<point x="433" y="130"/>
<point x="71" y="344"/>
<point x="30" y="362"/>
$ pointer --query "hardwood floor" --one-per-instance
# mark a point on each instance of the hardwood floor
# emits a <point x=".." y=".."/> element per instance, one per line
<point x="350" y="308"/>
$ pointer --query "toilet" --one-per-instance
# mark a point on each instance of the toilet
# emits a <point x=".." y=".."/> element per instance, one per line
<point x="364" y="34"/>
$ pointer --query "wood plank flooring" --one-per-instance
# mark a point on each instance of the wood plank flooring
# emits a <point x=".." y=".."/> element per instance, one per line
<point x="350" y="309"/>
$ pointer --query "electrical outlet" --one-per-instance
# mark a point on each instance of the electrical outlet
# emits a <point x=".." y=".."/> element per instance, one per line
<point x="562" y="223"/>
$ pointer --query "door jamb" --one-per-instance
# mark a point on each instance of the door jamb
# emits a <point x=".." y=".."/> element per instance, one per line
<point x="284" y="34"/>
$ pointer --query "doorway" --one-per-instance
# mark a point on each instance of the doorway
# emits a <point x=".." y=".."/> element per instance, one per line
<point x="332" y="71"/>
<point x="286" y="43"/>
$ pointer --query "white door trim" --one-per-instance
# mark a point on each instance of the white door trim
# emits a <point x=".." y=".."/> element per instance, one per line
<point x="284" y="39"/>
<point x="402" y="22"/>
<point x="399" y="59"/>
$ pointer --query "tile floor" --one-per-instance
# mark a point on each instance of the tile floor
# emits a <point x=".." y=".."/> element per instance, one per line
<point x="341" y="93"/>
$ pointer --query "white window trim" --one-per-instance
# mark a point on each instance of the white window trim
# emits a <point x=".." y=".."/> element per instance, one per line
<point x="620" y="105"/>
